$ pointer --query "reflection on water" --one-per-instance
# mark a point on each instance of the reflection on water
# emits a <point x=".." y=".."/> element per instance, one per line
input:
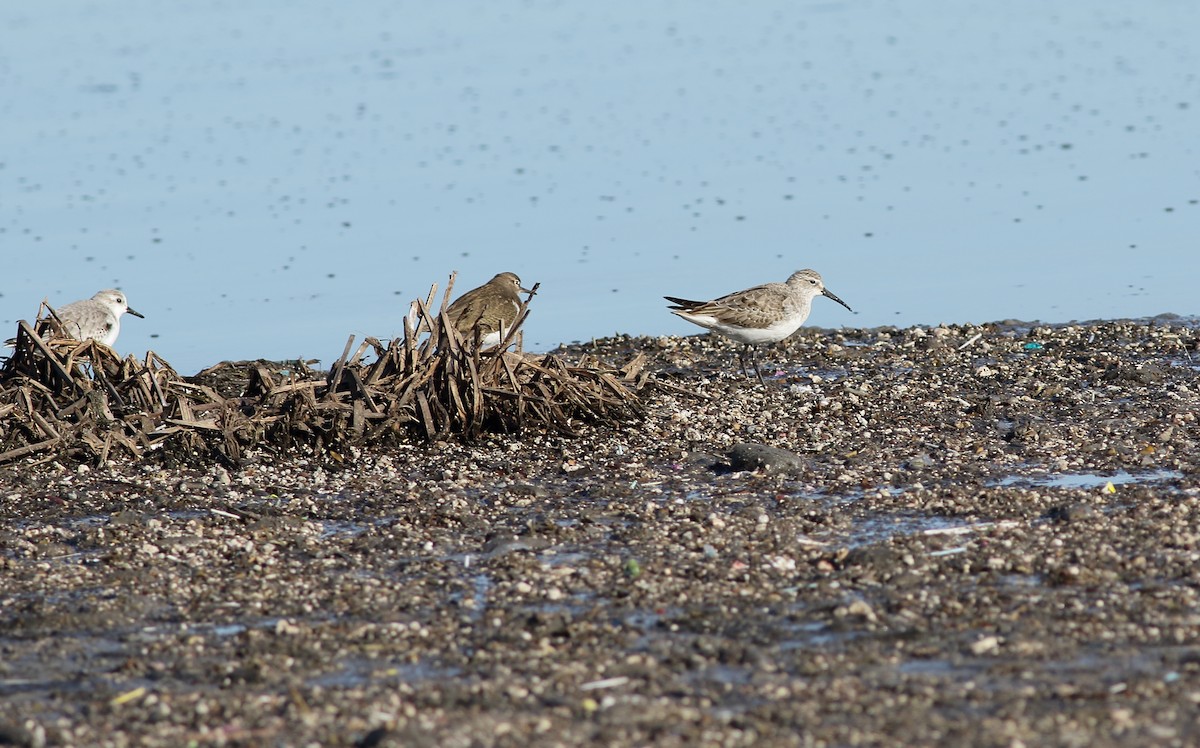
<point x="264" y="179"/>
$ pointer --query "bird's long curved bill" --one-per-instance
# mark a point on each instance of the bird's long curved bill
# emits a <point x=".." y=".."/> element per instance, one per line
<point x="832" y="295"/>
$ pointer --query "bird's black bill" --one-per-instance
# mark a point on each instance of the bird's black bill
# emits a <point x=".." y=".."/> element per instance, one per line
<point x="832" y="295"/>
<point x="136" y="314"/>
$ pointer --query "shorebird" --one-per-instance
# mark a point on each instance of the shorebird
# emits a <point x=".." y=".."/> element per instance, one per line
<point x="97" y="318"/>
<point x="763" y="314"/>
<point x="492" y="309"/>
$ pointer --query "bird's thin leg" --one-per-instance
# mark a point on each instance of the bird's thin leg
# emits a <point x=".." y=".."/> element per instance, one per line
<point x="754" y="361"/>
<point x="742" y="360"/>
<point x="748" y="354"/>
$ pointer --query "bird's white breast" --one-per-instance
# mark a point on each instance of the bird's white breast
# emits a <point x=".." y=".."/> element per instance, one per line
<point x="753" y="335"/>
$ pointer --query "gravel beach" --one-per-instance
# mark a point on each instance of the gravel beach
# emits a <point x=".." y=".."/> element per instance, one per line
<point x="978" y="535"/>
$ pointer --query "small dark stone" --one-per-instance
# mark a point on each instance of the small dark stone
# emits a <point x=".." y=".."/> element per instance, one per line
<point x="755" y="456"/>
<point x="15" y="735"/>
<point x="1147" y="374"/>
<point x="881" y="557"/>
<point x="702" y="459"/>
<point x="1067" y="513"/>
<point x="1138" y="374"/>
<point x="528" y="489"/>
<point x="373" y="739"/>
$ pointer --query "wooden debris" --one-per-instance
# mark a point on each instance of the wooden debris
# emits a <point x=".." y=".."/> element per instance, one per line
<point x="83" y="400"/>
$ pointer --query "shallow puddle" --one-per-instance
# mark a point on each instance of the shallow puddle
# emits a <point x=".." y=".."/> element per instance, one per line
<point x="871" y="530"/>
<point x="341" y="528"/>
<point x="1088" y="480"/>
<point x="940" y="668"/>
<point x="359" y="671"/>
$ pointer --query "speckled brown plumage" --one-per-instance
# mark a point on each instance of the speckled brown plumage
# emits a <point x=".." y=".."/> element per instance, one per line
<point x="491" y="308"/>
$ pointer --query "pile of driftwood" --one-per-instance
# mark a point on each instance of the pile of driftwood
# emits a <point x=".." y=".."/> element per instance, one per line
<point x="61" y="396"/>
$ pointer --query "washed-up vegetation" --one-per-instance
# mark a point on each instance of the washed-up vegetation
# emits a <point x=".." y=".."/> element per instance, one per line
<point x="61" y="396"/>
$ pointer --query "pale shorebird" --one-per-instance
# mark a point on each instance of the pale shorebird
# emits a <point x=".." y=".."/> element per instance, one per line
<point x="97" y="318"/>
<point x="763" y="314"/>
<point x="492" y="309"/>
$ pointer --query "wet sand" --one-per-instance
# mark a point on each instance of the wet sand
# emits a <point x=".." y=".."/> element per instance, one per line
<point x="984" y="535"/>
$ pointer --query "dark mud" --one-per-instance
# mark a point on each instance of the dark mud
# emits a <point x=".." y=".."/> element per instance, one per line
<point x="980" y="535"/>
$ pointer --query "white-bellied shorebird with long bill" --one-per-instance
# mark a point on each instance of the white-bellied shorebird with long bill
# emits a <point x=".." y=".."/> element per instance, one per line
<point x="491" y="309"/>
<point x="763" y="314"/>
<point x="97" y="318"/>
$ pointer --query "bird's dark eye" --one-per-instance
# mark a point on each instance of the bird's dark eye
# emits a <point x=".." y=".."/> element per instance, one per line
<point x="810" y="280"/>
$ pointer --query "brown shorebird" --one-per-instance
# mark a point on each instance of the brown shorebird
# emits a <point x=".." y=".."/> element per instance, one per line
<point x="492" y="309"/>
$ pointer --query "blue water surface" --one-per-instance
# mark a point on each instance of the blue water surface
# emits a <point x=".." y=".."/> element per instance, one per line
<point x="264" y="179"/>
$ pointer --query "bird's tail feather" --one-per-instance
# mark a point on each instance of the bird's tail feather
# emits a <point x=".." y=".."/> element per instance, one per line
<point x="683" y="304"/>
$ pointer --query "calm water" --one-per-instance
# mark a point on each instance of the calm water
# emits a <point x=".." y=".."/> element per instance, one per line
<point x="264" y="179"/>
